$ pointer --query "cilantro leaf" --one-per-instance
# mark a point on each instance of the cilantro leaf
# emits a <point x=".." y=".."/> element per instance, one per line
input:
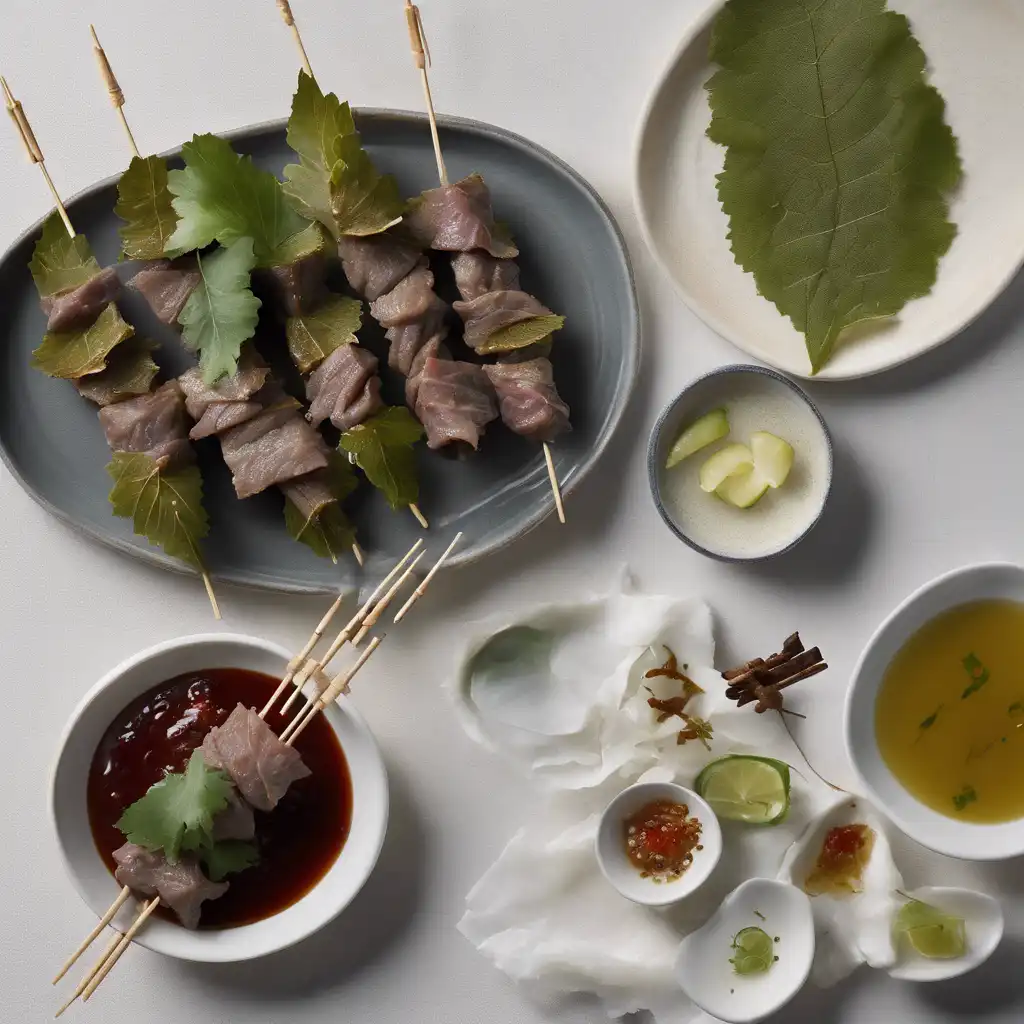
<point x="221" y="314"/>
<point x="838" y="160"/>
<point x="223" y="197"/>
<point x="165" y="506"/>
<point x="383" y="450"/>
<point x="177" y="812"/>
<point x="520" y="335"/>
<point x="144" y="204"/>
<point x="228" y="857"/>
<point x="74" y="354"/>
<point x="328" y="531"/>
<point x="313" y="337"/>
<point x="59" y="262"/>
<point x="130" y="371"/>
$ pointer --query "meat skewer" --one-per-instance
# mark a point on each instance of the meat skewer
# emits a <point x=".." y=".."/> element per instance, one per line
<point x="152" y="424"/>
<point x="517" y="390"/>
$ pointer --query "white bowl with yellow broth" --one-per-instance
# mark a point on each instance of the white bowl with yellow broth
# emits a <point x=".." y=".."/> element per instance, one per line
<point x="935" y="714"/>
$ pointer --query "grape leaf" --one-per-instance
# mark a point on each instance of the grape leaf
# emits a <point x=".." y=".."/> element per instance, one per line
<point x="383" y="450"/>
<point x="144" y="204"/>
<point x="59" y="262"/>
<point x="838" y="160"/>
<point x="328" y="531"/>
<point x="312" y="338"/>
<point x="520" y="335"/>
<point x="228" y="857"/>
<point x="130" y="371"/>
<point x="221" y="314"/>
<point x="177" y="812"/>
<point x="73" y="354"/>
<point x="165" y="506"/>
<point x="223" y="197"/>
<point x="363" y="201"/>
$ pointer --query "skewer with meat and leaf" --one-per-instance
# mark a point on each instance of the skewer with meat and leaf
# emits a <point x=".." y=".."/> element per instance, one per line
<point x="157" y="484"/>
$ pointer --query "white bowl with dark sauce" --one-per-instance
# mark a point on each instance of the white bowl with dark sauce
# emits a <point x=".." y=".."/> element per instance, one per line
<point x="318" y="891"/>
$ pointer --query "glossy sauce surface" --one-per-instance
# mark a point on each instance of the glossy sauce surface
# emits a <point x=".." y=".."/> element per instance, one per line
<point x="661" y="839"/>
<point x="298" y="841"/>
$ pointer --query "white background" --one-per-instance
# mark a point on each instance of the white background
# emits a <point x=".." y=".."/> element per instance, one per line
<point x="927" y="478"/>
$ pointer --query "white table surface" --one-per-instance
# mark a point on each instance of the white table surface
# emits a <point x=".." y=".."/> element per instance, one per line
<point x="927" y="478"/>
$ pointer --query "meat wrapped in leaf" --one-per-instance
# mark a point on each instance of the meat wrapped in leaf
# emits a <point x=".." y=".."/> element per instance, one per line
<point x="297" y="287"/>
<point x="410" y="299"/>
<point x="155" y="424"/>
<point x="129" y="371"/>
<point x="375" y="264"/>
<point x="528" y="399"/>
<point x="166" y="286"/>
<point x="228" y="403"/>
<point x="492" y="313"/>
<point x="344" y="388"/>
<point x="477" y="273"/>
<point x="408" y="340"/>
<point x="80" y="307"/>
<point x="182" y="886"/>
<point x="250" y="752"/>
<point x="458" y="218"/>
<point x="454" y="402"/>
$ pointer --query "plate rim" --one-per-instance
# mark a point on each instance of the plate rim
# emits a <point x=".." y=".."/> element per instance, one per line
<point x="632" y="343"/>
<point x="689" y="37"/>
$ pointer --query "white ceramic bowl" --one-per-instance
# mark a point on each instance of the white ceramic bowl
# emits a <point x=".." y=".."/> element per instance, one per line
<point x="945" y="835"/>
<point x="611" y="853"/>
<point x="90" y="875"/>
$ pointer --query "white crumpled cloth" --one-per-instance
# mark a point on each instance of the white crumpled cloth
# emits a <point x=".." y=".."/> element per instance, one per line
<point x="566" y="702"/>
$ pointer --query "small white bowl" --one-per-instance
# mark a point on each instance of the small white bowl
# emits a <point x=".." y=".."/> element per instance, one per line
<point x="90" y="875"/>
<point x="703" y="967"/>
<point x="963" y="839"/>
<point x="611" y="852"/>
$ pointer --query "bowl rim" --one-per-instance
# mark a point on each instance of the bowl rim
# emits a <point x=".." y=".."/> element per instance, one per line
<point x="712" y="830"/>
<point x="654" y="461"/>
<point x="191" y="945"/>
<point x="968" y="844"/>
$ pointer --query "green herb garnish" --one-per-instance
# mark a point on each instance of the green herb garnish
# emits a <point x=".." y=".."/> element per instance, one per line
<point x="974" y="667"/>
<point x="144" y="204"/>
<point x="383" y="448"/>
<point x="966" y="796"/>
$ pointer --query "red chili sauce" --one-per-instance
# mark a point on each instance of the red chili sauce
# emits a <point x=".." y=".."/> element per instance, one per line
<point x="298" y="841"/>
<point x="661" y="839"/>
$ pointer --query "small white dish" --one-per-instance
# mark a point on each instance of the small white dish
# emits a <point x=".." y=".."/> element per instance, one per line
<point x="94" y="881"/>
<point x="755" y="398"/>
<point x="703" y="967"/>
<point x="610" y="845"/>
<point x="973" y="50"/>
<point x="954" y="838"/>
<point x="983" y="922"/>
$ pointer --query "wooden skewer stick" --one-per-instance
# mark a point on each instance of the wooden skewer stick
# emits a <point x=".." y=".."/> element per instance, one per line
<point x="421" y="58"/>
<point x="342" y="638"/>
<point x="419" y="591"/>
<point x="339" y="685"/>
<point x="119" y="949"/>
<point x="289" y="19"/>
<point x="93" y="971"/>
<point x="420" y="517"/>
<point x="371" y="620"/>
<point x="94" y="934"/>
<point x="113" y="88"/>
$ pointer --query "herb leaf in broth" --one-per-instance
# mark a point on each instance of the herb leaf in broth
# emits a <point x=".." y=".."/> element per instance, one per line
<point x="1016" y="709"/>
<point x="928" y="722"/>
<point x="966" y="796"/>
<point x="974" y="667"/>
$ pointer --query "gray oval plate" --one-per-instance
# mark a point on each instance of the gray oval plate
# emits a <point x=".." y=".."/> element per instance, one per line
<point x="573" y="259"/>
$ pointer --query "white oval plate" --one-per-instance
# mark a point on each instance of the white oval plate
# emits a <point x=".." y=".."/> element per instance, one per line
<point x="974" y="49"/>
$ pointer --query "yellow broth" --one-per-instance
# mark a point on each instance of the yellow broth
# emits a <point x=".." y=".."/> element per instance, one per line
<point x="949" y="717"/>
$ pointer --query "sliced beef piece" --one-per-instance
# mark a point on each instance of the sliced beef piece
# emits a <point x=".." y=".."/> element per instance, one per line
<point x="155" y="424"/>
<point x="298" y="287"/>
<point x="166" y="285"/>
<point x="408" y="340"/>
<point x="80" y="307"/>
<point x="309" y="493"/>
<point x="528" y="399"/>
<point x="412" y="298"/>
<point x="458" y="218"/>
<point x="433" y="349"/>
<point x="230" y="401"/>
<point x="375" y="264"/>
<point x="477" y="273"/>
<point x="236" y="821"/>
<point x="492" y="311"/>
<point x="454" y="402"/>
<point x="344" y="388"/>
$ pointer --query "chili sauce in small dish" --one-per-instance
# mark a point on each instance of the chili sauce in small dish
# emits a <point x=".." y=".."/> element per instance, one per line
<point x="661" y="838"/>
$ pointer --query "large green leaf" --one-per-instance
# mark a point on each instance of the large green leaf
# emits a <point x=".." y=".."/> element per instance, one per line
<point x="73" y="354"/>
<point x="363" y="201"/>
<point x="328" y="531"/>
<point x="59" y="262"/>
<point x="221" y="314"/>
<point x="223" y="197"/>
<point x="838" y="159"/>
<point x="130" y="371"/>
<point x="165" y="506"/>
<point x="520" y="335"/>
<point x="313" y="337"/>
<point x="383" y="449"/>
<point x="144" y="204"/>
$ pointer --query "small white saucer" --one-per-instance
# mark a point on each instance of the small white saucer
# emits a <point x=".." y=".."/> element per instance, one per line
<point x="974" y="49"/>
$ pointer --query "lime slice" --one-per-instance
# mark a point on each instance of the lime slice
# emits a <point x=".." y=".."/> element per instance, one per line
<point x="733" y="458"/>
<point x="743" y="489"/>
<point x="707" y="430"/>
<point x="932" y="933"/>
<point x="742" y="787"/>
<point x="753" y="951"/>
<point x="773" y="457"/>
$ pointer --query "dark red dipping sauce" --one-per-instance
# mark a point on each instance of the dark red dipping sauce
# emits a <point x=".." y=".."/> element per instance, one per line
<point x="298" y="841"/>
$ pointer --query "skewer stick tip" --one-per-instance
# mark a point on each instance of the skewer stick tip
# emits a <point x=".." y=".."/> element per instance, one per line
<point x="419" y="591"/>
<point x="553" y="477"/>
<point x="420" y="517"/>
<point x="357" y="551"/>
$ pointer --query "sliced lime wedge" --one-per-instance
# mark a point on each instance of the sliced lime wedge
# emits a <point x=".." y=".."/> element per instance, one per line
<point x="707" y="430"/>
<point x="931" y="932"/>
<point x="773" y="457"/>
<point x="743" y="787"/>
<point x="743" y="489"/>
<point x="733" y="458"/>
<point x="753" y="951"/>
